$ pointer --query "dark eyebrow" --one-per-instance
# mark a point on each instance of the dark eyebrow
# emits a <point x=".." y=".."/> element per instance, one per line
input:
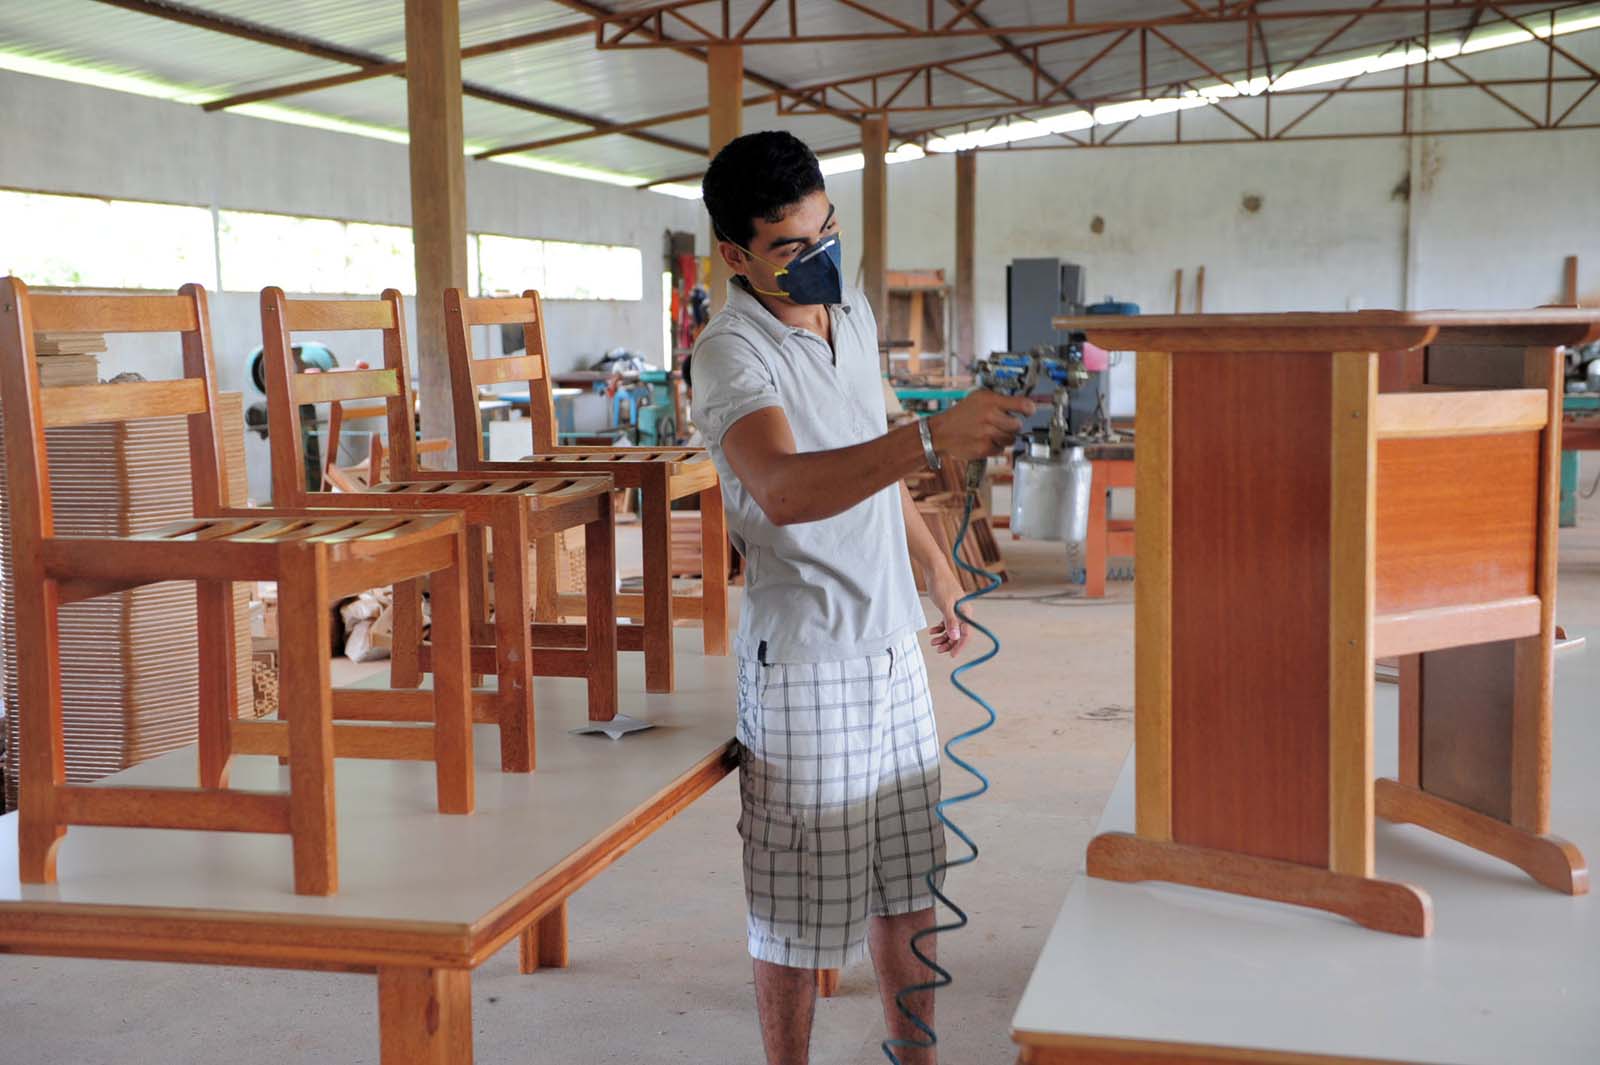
<point x="784" y="242"/>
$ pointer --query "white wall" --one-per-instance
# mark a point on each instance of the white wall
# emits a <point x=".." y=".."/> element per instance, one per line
<point x="61" y="137"/>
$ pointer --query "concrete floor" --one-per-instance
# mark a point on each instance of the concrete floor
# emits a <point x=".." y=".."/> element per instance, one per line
<point x="659" y="972"/>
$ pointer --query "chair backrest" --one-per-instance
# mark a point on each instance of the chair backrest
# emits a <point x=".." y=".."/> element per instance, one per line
<point x="288" y="387"/>
<point x="467" y="374"/>
<point x="30" y="409"/>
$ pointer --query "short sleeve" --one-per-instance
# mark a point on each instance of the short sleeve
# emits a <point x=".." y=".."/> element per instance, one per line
<point x="731" y="380"/>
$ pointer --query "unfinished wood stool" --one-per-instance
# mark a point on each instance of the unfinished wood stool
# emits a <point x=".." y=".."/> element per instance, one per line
<point x="513" y="511"/>
<point x="315" y="559"/>
<point x="661" y="475"/>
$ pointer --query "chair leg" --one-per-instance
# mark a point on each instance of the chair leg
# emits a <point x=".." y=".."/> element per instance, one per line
<point x="513" y="641"/>
<point x="405" y="658"/>
<point x="306" y="699"/>
<point x="43" y="755"/>
<point x="713" y="571"/>
<point x="452" y="688"/>
<point x="546" y="608"/>
<point x="655" y="507"/>
<point x="600" y="594"/>
<point x="478" y="583"/>
<point x="218" y="691"/>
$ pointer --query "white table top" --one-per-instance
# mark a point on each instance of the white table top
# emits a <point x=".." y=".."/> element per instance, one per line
<point x="399" y="860"/>
<point x="1511" y="973"/>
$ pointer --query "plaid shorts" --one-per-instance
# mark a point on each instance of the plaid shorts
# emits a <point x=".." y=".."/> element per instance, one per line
<point x="837" y="784"/>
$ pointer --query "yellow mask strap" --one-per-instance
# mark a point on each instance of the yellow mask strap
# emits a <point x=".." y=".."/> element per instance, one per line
<point x="777" y="271"/>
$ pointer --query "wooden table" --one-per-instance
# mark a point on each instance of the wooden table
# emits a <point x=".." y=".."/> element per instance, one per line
<point x="1157" y="974"/>
<point x="424" y="898"/>
<point x="1293" y="525"/>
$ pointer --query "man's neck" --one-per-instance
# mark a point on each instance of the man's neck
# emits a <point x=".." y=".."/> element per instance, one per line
<point x="812" y="316"/>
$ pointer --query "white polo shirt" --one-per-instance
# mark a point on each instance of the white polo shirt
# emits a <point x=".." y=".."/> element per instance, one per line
<point x="816" y="591"/>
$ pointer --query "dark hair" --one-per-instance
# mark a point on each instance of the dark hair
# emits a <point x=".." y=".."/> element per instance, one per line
<point x="758" y="175"/>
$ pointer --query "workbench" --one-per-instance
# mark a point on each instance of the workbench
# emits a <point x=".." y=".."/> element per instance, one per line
<point x="424" y="898"/>
<point x="1153" y="974"/>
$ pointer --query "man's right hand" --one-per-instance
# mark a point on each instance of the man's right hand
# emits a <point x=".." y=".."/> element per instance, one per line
<point x="982" y="425"/>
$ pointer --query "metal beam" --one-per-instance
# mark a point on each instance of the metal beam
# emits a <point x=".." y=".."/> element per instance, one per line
<point x="687" y="48"/>
<point x="631" y="29"/>
<point x="505" y="44"/>
<point x="250" y="31"/>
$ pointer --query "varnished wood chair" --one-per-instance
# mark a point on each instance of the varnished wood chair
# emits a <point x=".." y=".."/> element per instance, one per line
<point x="314" y="559"/>
<point x="661" y="475"/>
<point x="512" y="511"/>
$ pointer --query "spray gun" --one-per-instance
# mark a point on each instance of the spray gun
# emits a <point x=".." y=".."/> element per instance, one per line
<point x="1024" y="374"/>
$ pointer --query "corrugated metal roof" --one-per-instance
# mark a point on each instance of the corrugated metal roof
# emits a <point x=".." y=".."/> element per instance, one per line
<point x="624" y="86"/>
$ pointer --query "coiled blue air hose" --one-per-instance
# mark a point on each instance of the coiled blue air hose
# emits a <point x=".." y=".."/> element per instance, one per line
<point x="941" y="976"/>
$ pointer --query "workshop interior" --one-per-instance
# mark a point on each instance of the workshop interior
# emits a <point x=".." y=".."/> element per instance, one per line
<point x="377" y="587"/>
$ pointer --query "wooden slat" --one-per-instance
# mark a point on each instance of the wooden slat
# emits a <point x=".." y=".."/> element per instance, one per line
<point x="1457" y="520"/>
<point x="345" y="385"/>
<point x="112" y="314"/>
<point x="86" y="404"/>
<point x="499" y="371"/>
<point x="1403" y="415"/>
<point x="1152" y="684"/>
<point x="499" y="310"/>
<point x="202" y="811"/>
<point x="1413" y="631"/>
<point x="398" y="742"/>
<point x="333" y="316"/>
<point x="1250" y="743"/>
<point x="1351" y="585"/>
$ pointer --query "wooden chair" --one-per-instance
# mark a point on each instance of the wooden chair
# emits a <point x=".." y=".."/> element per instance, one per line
<point x="661" y="475"/>
<point x="315" y="559"/>
<point x="513" y="511"/>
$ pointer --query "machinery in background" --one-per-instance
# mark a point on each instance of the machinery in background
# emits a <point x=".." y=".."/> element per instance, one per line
<point x="310" y="355"/>
<point x="1052" y="477"/>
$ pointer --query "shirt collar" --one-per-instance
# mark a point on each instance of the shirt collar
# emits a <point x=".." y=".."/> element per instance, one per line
<point x="742" y="302"/>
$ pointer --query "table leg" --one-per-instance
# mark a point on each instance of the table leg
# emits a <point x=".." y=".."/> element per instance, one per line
<point x="424" y="1016"/>
<point x="543" y="944"/>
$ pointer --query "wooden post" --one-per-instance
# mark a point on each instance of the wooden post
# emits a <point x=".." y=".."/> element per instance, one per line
<point x="966" y="345"/>
<point x="725" y="93"/>
<point x="438" y="192"/>
<point x="875" y="222"/>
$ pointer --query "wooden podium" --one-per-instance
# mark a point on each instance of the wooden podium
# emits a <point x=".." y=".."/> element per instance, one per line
<point x="1294" y="522"/>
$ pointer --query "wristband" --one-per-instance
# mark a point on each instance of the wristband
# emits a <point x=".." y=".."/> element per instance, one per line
<point x="934" y="462"/>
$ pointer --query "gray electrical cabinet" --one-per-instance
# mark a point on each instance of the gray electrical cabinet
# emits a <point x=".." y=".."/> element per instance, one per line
<point x="1037" y="291"/>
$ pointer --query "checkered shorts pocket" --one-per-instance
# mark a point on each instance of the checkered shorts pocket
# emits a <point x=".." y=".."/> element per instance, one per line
<point x="777" y="869"/>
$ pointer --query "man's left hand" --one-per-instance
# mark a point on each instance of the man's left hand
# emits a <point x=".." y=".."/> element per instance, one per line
<point x="949" y="635"/>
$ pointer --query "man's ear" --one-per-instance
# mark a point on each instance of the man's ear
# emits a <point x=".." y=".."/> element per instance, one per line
<point x="732" y="254"/>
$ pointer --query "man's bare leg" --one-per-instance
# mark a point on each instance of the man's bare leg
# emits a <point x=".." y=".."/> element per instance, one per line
<point x="897" y="968"/>
<point x="786" y="1002"/>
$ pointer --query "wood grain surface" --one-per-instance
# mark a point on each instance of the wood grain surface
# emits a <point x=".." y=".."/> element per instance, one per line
<point x="1457" y="520"/>
<point x="1251" y="484"/>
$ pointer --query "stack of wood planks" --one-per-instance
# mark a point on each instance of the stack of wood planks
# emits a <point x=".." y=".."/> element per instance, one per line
<point x="68" y="358"/>
<point x="129" y="661"/>
<point x="941" y="500"/>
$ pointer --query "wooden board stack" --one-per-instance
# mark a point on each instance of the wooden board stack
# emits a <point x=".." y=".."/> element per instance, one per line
<point x="68" y="358"/>
<point x="129" y="662"/>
